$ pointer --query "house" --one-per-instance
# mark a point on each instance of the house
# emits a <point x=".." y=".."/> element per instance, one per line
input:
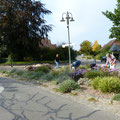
<point x="47" y="43"/>
<point x="114" y="48"/>
<point x="115" y="45"/>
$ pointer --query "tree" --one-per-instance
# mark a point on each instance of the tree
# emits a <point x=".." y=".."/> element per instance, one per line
<point x="96" y="46"/>
<point x="22" y="26"/>
<point x="86" y="47"/>
<point x="115" y="18"/>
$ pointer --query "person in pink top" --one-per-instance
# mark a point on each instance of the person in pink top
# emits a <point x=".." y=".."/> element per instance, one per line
<point x="111" y="61"/>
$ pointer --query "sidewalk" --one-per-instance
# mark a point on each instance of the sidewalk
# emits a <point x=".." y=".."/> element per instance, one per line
<point x="8" y="67"/>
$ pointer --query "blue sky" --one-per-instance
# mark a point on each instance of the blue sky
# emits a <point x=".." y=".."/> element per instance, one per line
<point x="90" y="24"/>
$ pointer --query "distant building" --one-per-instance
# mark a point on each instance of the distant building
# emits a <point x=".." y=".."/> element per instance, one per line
<point x="47" y="43"/>
<point x="111" y="43"/>
<point x="114" y="48"/>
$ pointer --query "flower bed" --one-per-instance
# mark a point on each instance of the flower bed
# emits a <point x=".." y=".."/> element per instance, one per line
<point x="78" y="74"/>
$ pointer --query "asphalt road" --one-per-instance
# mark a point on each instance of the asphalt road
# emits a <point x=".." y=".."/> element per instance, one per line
<point x="24" y="101"/>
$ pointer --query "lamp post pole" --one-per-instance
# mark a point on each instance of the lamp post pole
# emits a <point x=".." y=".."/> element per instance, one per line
<point x="68" y="17"/>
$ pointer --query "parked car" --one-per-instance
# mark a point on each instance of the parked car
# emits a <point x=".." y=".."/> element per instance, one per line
<point x="103" y="59"/>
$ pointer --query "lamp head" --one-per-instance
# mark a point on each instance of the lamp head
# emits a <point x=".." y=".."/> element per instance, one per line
<point x="63" y="20"/>
<point x="72" y="19"/>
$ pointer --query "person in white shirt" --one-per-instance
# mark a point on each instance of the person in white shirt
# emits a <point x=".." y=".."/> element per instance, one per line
<point x="111" y="61"/>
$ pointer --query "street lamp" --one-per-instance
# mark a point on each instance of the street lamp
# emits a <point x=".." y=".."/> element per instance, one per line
<point x="69" y="18"/>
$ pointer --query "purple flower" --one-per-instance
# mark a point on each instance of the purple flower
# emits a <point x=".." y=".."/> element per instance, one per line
<point x="78" y="74"/>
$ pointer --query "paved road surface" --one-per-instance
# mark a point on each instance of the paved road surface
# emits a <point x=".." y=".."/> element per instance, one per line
<point x="23" y="101"/>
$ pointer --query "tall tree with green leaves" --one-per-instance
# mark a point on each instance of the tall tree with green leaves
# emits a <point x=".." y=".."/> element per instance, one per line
<point x="22" y="26"/>
<point x="86" y="47"/>
<point x="115" y="18"/>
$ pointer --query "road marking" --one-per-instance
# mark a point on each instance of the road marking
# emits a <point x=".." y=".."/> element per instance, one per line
<point x="1" y="89"/>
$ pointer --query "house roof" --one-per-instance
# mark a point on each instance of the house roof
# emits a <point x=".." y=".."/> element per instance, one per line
<point x="111" y="43"/>
<point x="47" y="43"/>
<point x="115" y="47"/>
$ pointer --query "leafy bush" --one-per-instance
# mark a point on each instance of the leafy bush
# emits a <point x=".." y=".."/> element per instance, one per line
<point x="54" y="82"/>
<point x="95" y="82"/>
<point x="92" y="74"/>
<point x="20" y="72"/>
<point x="116" y="97"/>
<point x="47" y="77"/>
<point x="55" y="73"/>
<point x="3" y="71"/>
<point x="89" y="57"/>
<point x="62" y="78"/>
<point x="60" y="75"/>
<point x="107" y="84"/>
<point x="68" y="85"/>
<point x="82" y="67"/>
<point x="83" y="57"/>
<point x="36" y="75"/>
<point x="98" y="73"/>
<point x="12" y="71"/>
<point x="33" y="75"/>
<point x="77" y="74"/>
<point x="114" y="72"/>
<point x="87" y="66"/>
<point x="44" y="69"/>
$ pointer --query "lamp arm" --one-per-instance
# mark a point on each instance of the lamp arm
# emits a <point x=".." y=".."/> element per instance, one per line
<point x="63" y="14"/>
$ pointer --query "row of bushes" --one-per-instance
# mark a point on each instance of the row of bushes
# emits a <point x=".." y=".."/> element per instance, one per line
<point x="46" y="73"/>
<point x="44" y="54"/>
<point x="101" y="79"/>
<point x="91" y="74"/>
<point x="42" y="73"/>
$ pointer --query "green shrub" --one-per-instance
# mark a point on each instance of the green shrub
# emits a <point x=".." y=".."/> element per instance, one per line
<point x="107" y="84"/>
<point x="33" y="75"/>
<point x="62" y="78"/>
<point x="20" y="72"/>
<point x="92" y="74"/>
<point x="99" y="56"/>
<point x="55" y="73"/>
<point x="44" y="69"/>
<point x="114" y="73"/>
<point x="3" y="71"/>
<point x="82" y="67"/>
<point x="97" y="73"/>
<point x="36" y="75"/>
<point x="26" y="74"/>
<point x="104" y="73"/>
<point x="68" y="85"/>
<point x="92" y="99"/>
<point x="12" y="71"/>
<point x="60" y="75"/>
<point x="83" y="57"/>
<point x="54" y="82"/>
<point x="89" y="57"/>
<point x="116" y="97"/>
<point x="87" y="66"/>
<point x="46" y="77"/>
<point x="95" y="82"/>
